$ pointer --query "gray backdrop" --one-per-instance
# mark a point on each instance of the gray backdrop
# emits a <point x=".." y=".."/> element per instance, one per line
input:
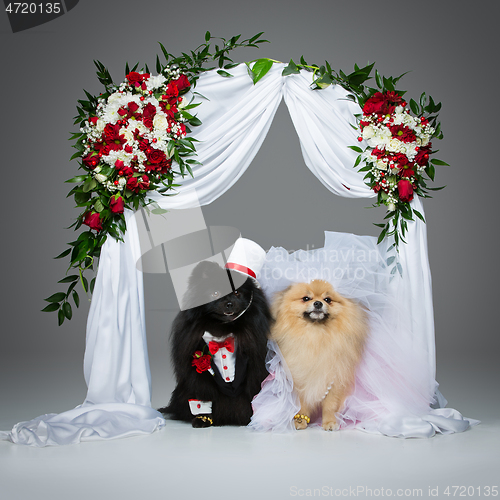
<point x="451" y="49"/>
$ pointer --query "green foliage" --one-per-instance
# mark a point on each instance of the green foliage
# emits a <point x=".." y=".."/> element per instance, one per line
<point x="93" y="197"/>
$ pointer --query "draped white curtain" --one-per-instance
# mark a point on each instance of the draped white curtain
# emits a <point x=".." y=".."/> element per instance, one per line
<point x="236" y="117"/>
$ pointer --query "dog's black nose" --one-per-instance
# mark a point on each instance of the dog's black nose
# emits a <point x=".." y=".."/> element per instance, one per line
<point x="229" y="305"/>
<point x="318" y="305"/>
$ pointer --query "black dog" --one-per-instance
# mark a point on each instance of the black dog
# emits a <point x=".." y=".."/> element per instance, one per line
<point x="245" y="314"/>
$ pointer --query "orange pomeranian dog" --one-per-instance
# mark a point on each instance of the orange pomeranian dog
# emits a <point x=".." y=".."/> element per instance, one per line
<point x="321" y="335"/>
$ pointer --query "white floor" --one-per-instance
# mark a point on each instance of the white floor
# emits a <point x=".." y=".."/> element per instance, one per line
<point x="233" y="463"/>
<point x="179" y="462"/>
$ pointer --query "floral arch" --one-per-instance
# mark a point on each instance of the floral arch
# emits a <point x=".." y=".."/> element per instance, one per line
<point x="235" y="116"/>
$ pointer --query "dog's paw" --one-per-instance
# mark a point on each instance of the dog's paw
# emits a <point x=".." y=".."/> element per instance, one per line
<point x="300" y="423"/>
<point x="330" y="426"/>
<point x="201" y="421"/>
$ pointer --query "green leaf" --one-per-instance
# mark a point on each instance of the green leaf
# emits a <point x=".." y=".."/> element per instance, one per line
<point x="382" y="234"/>
<point x="82" y="198"/>
<point x="63" y="254"/>
<point x="159" y="211"/>
<point x="423" y="99"/>
<point x="356" y="148"/>
<point x="85" y="284"/>
<point x="78" y="178"/>
<point x="70" y="279"/>
<point x="388" y="84"/>
<point x="439" y="162"/>
<point x="419" y="215"/>
<point x="208" y="36"/>
<point x="60" y="316"/>
<point x="195" y="121"/>
<point x="291" y="69"/>
<point x="98" y="206"/>
<point x="225" y="74"/>
<point x="378" y="79"/>
<point x="414" y="107"/>
<point x="89" y="185"/>
<point x="431" y="171"/>
<point x="260" y="69"/>
<point x="51" y="308"/>
<point x="57" y="297"/>
<point x="324" y="82"/>
<point x="390" y="260"/>
<point x="67" y="310"/>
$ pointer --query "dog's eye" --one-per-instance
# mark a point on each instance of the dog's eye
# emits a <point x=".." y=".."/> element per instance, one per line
<point x="215" y="294"/>
<point x="305" y="299"/>
<point x="236" y="293"/>
<point x="328" y="300"/>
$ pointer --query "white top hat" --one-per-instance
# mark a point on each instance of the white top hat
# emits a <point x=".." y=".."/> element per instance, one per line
<point x="246" y="257"/>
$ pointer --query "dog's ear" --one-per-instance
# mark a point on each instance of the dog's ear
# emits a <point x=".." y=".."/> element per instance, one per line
<point x="278" y="302"/>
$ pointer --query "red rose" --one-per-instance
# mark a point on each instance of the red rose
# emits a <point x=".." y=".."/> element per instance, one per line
<point x="156" y="156"/>
<point x="116" y="204"/>
<point x="133" y="106"/>
<point x="202" y="362"/>
<point x="401" y="159"/>
<point x="93" y="120"/>
<point x="128" y="171"/>
<point x="132" y="184"/>
<point x="144" y="182"/>
<point x="91" y="160"/>
<point x="93" y="220"/>
<point x="182" y="83"/>
<point x="172" y="92"/>
<point x="405" y="190"/>
<point x="374" y="104"/>
<point x="137" y="183"/>
<point x="422" y="157"/>
<point x="135" y="79"/>
<point x="164" y="167"/>
<point x="148" y="114"/>
<point x="407" y="172"/>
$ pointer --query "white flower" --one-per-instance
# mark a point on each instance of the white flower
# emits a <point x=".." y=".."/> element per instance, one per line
<point x="395" y="145"/>
<point x="114" y="97"/>
<point x="160" y="121"/>
<point x="101" y="178"/>
<point x="155" y="82"/>
<point x="381" y="165"/>
<point x="128" y="134"/>
<point x="368" y="132"/>
<point x="100" y="124"/>
<point x="391" y="207"/>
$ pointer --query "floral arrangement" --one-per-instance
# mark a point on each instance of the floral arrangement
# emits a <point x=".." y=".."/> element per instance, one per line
<point x="397" y="157"/>
<point x="134" y="138"/>
<point x="202" y="362"/>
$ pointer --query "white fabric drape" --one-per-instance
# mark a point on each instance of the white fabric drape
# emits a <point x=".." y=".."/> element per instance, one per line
<point x="236" y="117"/>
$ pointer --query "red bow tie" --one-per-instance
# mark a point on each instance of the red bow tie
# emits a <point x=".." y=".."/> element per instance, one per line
<point x="214" y="346"/>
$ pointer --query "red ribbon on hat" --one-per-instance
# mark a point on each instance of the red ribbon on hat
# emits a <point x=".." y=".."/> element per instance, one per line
<point x="242" y="269"/>
<point x="214" y="346"/>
